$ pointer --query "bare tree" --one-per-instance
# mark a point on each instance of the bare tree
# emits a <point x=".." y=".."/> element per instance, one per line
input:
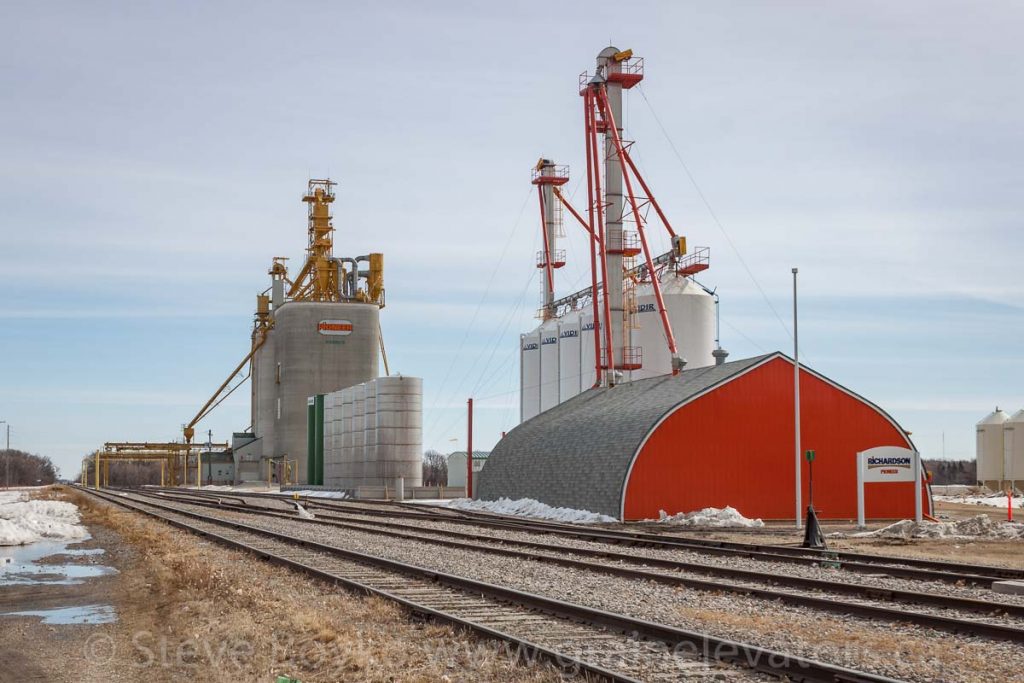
<point x="435" y="468"/>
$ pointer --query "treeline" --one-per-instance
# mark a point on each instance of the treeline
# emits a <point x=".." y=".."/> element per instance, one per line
<point x="26" y="469"/>
<point x="952" y="471"/>
<point x="435" y="469"/>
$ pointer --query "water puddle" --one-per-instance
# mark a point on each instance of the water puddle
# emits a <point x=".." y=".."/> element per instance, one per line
<point x="86" y="614"/>
<point x="21" y="564"/>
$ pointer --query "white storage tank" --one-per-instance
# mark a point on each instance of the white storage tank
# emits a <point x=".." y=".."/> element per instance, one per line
<point x="346" y="470"/>
<point x="990" y="452"/>
<point x="371" y="467"/>
<point x="358" y="424"/>
<point x="549" y="373"/>
<point x="399" y="432"/>
<point x="691" y="312"/>
<point x="529" y="368"/>
<point x="588" y="352"/>
<point x="1013" y="449"/>
<point x="569" y="366"/>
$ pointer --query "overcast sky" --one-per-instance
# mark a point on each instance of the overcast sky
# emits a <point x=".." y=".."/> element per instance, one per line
<point x="153" y="156"/>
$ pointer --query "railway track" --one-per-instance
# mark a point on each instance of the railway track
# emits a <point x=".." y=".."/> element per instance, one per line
<point x="581" y="640"/>
<point x="752" y="583"/>
<point x="864" y="563"/>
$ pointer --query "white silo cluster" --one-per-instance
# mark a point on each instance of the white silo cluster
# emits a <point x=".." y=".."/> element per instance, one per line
<point x="373" y="434"/>
<point x="1000" y="450"/>
<point x="557" y="358"/>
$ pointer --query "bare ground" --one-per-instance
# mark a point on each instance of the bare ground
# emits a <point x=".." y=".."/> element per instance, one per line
<point x="189" y="609"/>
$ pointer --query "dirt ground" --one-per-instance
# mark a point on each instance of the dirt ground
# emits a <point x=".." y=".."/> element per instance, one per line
<point x="190" y="610"/>
<point x="996" y="553"/>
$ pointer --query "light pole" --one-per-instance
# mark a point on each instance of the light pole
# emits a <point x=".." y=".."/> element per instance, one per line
<point x="796" y="403"/>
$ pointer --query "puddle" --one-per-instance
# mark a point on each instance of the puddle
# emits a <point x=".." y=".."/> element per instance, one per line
<point x="86" y="614"/>
<point x="20" y="564"/>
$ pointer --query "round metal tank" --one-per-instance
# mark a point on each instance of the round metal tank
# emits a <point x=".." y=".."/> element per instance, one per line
<point x="346" y="473"/>
<point x="529" y="380"/>
<point x="372" y="475"/>
<point x="321" y="347"/>
<point x="549" y="373"/>
<point x="399" y="451"/>
<point x="691" y="312"/>
<point x="588" y="375"/>
<point x="358" y="435"/>
<point x="569" y="367"/>
<point x="1013" y="449"/>
<point x="990" y="449"/>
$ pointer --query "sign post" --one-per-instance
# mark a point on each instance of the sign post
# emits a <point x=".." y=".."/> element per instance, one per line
<point x="810" y="477"/>
<point x="886" y="464"/>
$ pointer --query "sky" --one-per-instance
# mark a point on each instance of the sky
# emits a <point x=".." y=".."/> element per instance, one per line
<point x="153" y="156"/>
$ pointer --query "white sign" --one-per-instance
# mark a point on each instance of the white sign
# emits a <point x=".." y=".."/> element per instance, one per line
<point x="334" y="327"/>
<point x="888" y="464"/>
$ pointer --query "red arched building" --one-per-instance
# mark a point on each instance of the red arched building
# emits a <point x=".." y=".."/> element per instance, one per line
<point x="709" y="437"/>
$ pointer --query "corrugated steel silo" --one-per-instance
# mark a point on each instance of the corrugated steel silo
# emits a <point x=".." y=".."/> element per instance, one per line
<point x="529" y="367"/>
<point x="691" y="312"/>
<point x="347" y="471"/>
<point x="990" y="449"/>
<point x="358" y="435"/>
<point x="549" y="372"/>
<point x="371" y="466"/>
<point x="399" y="450"/>
<point x="588" y="374"/>
<point x="569" y="365"/>
<point x="1013" y="449"/>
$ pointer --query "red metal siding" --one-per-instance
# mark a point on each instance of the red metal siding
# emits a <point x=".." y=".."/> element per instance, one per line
<point x="734" y="446"/>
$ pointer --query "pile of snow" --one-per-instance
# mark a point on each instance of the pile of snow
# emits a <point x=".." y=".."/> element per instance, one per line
<point x="528" y="507"/>
<point x="27" y="521"/>
<point x="317" y="494"/>
<point x="980" y="526"/>
<point x="303" y="512"/>
<point x="711" y="517"/>
<point x="996" y="500"/>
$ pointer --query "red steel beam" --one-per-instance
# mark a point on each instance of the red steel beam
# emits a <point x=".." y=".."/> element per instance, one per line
<point x="575" y="214"/>
<point x="598" y="196"/>
<point x="587" y="115"/>
<point x="609" y="116"/>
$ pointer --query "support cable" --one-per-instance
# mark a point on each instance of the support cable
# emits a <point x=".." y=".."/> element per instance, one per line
<point x="711" y="211"/>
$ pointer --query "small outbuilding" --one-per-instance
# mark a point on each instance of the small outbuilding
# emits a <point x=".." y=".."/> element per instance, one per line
<point x="457" y="466"/>
<point x="708" y="437"/>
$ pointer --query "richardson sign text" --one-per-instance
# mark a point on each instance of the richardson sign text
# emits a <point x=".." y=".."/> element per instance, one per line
<point x="334" y="327"/>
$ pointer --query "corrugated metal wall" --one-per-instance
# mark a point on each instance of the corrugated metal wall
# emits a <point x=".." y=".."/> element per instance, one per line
<point x="734" y="446"/>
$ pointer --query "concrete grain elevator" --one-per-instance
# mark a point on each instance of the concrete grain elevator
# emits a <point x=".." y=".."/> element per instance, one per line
<point x="312" y="334"/>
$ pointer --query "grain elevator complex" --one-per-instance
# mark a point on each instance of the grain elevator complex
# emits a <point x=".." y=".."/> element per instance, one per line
<point x="628" y="404"/>
<point x="628" y="407"/>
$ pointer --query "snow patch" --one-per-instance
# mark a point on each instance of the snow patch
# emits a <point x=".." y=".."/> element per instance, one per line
<point x="341" y="495"/>
<point x="528" y="507"/>
<point x="303" y="512"/>
<point x="980" y="526"/>
<point x="710" y="517"/>
<point x="27" y="521"/>
<point x="996" y="500"/>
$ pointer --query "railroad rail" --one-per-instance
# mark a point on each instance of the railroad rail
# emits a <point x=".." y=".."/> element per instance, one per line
<point x="901" y="567"/>
<point x="484" y="543"/>
<point x="575" y="638"/>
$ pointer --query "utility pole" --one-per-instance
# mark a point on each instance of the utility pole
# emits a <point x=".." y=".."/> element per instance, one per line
<point x="469" y="451"/>
<point x="796" y="405"/>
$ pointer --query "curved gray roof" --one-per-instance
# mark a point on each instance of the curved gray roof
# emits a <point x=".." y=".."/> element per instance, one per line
<point x="578" y="453"/>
